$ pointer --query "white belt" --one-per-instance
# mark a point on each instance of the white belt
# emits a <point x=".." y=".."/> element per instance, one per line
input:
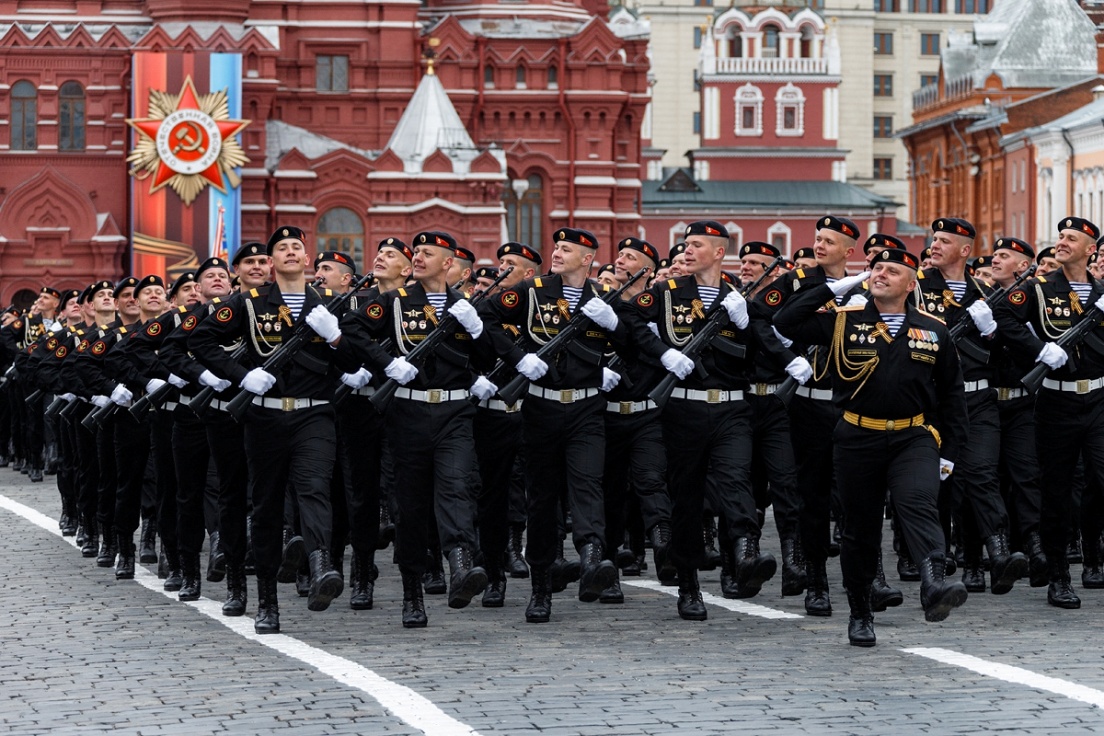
<point x="220" y="405"/>
<point x="500" y="405"/>
<point x="564" y="396"/>
<point x="287" y="403"/>
<point x="1007" y="394"/>
<point x="818" y="394"/>
<point x="763" y="389"/>
<point x="432" y="396"/>
<point x="629" y="407"/>
<point x="1084" y="386"/>
<point x="169" y="405"/>
<point x="710" y="396"/>
<point x="976" y="385"/>
<point x="365" y="391"/>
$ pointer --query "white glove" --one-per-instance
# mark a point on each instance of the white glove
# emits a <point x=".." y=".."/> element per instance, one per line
<point x="983" y="318"/>
<point x="258" y="381"/>
<point x="483" y="389"/>
<point x="736" y="306"/>
<point x="610" y="379"/>
<point x="177" y="380"/>
<point x="654" y="328"/>
<point x="468" y="318"/>
<point x="1053" y="355"/>
<point x="856" y="300"/>
<point x="210" y="380"/>
<point x="357" y="380"/>
<point x="68" y="397"/>
<point x="531" y="367"/>
<point x="153" y="384"/>
<point x="799" y="369"/>
<point x="677" y="363"/>
<point x="786" y="342"/>
<point x="401" y="371"/>
<point x="946" y="467"/>
<point x="847" y="283"/>
<point x="100" y="400"/>
<point x="601" y="314"/>
<point x="121" y="395"/>
<point x="324" y="323"/>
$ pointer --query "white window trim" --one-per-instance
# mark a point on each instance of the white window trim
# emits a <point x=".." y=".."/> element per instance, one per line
<point x="749" y="96"/>
<point x="780" y="228"/>
<point x="789" y="96"/>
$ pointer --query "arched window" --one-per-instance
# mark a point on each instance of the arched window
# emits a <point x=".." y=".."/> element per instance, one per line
<point x="770" y="42"/>
<point x="24" y="119"/>
<point x="735" y="40"/>
<point x="71" y="117"/>
<point x="789" y="103"/>
<point x="749" y="110"/>
<point x="553" y="77"/>
<point x="488" y="77"/>
<point x="521" y="80"/>
<point x="524" y="200"/>
<point x="340" y="229"/>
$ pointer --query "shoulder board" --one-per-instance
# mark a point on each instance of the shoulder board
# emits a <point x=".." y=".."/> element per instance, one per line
<point x="253" y="292"/>
<point x="122" y="330"/>
<point x="606" y="288"/>
<point x="800" y="273"/>
<point x="181" y="310"/>
<point x="80" y="332"/>
<point x="671" y="284"/>
<point x="1041" y="279"/>
<point x="930" y="316"/>
<point x="920" y="274"/>
<point x="327" y="292"/>
<point x="537" y="282"/>
<point x="217" y="300"/>
<point x="866" y="286"/>
<point x="853" y="308"/>
<point x="402" y="291"/>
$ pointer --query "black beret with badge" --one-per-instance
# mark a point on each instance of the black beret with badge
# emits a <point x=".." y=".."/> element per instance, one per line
<point x="584" y="238"/>
<point x="188" y="277"/>
<point x="147" y="282"/>
<point x="897" y="255"/>
<point x="711" y="228"/>
<point x="676" y="250"/>
<point x="954" y="226"/>
<point x="805" y="253"/>
<point x="1047" y="252"/>
<point x="249" y="249"/>
<point x="642" y="246"/>
<point x="434" y="237"/>
<point x="759" y="248"/>
<point x="841" y="225"/>
<point x="486" y="272"/>
<point x="125" y="283"/>
<point x="207" y="265"/>
<point x="91" y="289"/>
<point x="51" y="291"/>
<point x="1014" y="244"/>
<point x="286" y="232"/>
<point x="398" y="245"/>
<point x="881" y="240"/>
<point x="608" y="268"/>
<point x="464" y="254"/>
<point x="519" y="249"/>
<point x="333" y="256"/>
<point x="67" y="296"/>
<point x="1079" y="224"/>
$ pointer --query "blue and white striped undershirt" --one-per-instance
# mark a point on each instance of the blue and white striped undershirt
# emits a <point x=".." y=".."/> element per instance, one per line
<point x="893" y="321"/>
<point x="1082" y="289"/>
<point x="829" y="280"/>
<point x="708" y="294"/>
<point x="958" y="288"/>
<point x="295" y="303"/>
<point x="572" y="294"/>
<point x="438" y="301"/>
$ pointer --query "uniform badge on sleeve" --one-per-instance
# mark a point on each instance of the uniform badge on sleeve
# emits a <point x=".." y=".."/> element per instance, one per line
<point x="189" y="323"/>
<point x="1017" y="297"/>
<point x="773" y="297"/>
<point x="224" y="315"/>
<point x="154" y="329"/>
<point x="509" y="298"/>
<point x="645" y="300"/>
<point x="375" y="311"/>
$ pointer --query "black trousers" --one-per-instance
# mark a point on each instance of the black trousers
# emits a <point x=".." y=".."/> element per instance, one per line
<point x="17" y="416"/>
<point x="191" y="458"/>
<point x="68" y="467"/>
<point x="811" y="425"/>
<point x="162" y="452"/>
<point x="226" y="440"/>
<point x="707" y="441"/>
<point x="868" y="464"/>
<point x="1018" y="467"/>
<point x="109" y="479"/>
<point x="1067" y="425"/>
<point x="297" y="448"/>
<point x="976" y="490"/>
<point x="360" y="447"/>
<point x="773" y="463"/>
<point x="636" y="464"/>
<point x="497" y="442"/>
<point x="565" y="452"/>
<point x="33" y="427"/>
<point x="132" y="451"/>
<point x="88" y="460"/>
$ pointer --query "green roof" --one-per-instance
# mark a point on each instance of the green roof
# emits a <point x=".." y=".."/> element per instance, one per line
<point x="680" y="191"/>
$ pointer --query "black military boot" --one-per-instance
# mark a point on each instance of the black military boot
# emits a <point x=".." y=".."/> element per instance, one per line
<point x="613" y="594"/>
<point x="303" y="579"/>
<point x="295" y="551"/>
<point x="19" y="465"/>
<point x="325" y="583"/>
<point x="386" y="526"/>
<point x="434" y="580"/>
<point x="729" y="588"/>
<point x="753" y="568"/>
<point x="362" y="581"/>
<point x="174" y="579"/>
<point x="267" y="620"/>
<point x="938" y="596"/>
<point x="1074" y="554"/>
<point x="712" y="556"/>
<point x="108" y="548"/>
<point x="494" y="596"/>
<point x="1005" y="566"/>
<point x="973" y="577"/>
<point x="661" y="544"/>
<point x="413" y="610"/>
<point x="1092" y="571"/>
<point x="147" y="544"/>
<point x="539" y="610"/>
<point x="91" y="537"/>
<point x="794" y="580"/>
<point x="817" y="600"/>
<point x="882" y="594"/>
<point x="860" y="627"/>
<point x="515" y="561"/>
<point x="907" y="570"/>
<point x="68" y="522"/>
<point x="466" y="580"/>
<point x="691" y="607"/>
<point x="193" y="583"/>
<point x="1037" y="561"/>
<point x="35" y="473"/>
<point x="595" y="573"/>
<point x="236" y="595"/>
<point x="82" y="534"/>
<point x="1060" y="592"/>
<point x="216" y="560"/>
<point x="124" y="564"/>
<point x="562" y="572"/>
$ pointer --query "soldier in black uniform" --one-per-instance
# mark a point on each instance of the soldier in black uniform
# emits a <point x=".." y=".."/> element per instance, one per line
<point x="899" y="385"/>
<point x="430" y="412"/>
<point x="289" y="429"/>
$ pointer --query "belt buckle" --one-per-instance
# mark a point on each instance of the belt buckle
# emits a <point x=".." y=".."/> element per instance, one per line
<point x="626" y="407"/>
<point x="433" y="396"/>
<point x="1003" y="394"/>
<point x="567" y="396"/>
<point x="512" y="408"/>
<point x="890" y="425"/>
<point x="761" y="389"/>
<point x="713" y="396"/>
<point x="1083" y="386"/>
<point x="287" y="403"/>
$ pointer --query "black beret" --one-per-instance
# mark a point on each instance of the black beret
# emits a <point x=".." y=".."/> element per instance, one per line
<point x="954" y="226"/>
<point x="805" y="253"/>
<point x="187" y="277"/>
<point x="579" y="237"/>
<point x="333" y="256"/>
<point x="1093" y="256"/>
<point x="433" y="237"/>
<point x="486" y="272"/>
<point x="788" y="264"/>
<point x="398" y="245"/>
<point x="235" y="282"/>
<point x="663" y="263"/>
<point x="926" y="253"/>
<point x="520" y="249"/>
<point x="730" y="278"/>
<point x="151" y="280"/>
<point x="841" y="225"/>
<point x="759" y="248"/>
<point x="881" y="240"/>
<point x="676" y="250"/>
<point x="1014" y="244"/>
<point x="608" y="268"/>
<point x="897" y="255"/>
<point x="711" y="228"/>
<point x="284" y="233"/>
<point x="1080" y="224"/>
<point x="51" y="291"/>
<point x="127" y="282"/>
<point x="67" y="296"/>
<point x="981" y="262"/>
<point x="91" y="289"/>
<point x="249" y="249"/>
<point x="640" y="245"/>
<point x="207" y="265"/>
<point x="1047" y="252"/>
<point x="464" y="254"/>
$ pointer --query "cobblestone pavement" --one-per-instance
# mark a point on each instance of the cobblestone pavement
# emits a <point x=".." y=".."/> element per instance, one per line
<point x="82" y="653"/>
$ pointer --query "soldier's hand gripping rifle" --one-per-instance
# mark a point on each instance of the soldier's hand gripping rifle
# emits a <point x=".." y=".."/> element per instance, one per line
<point x="513" y="390"/>
<point x="416" y="357"/>
<point x="1072" y="337"/>
<point x="95" y="418"/>
<point x="292" y="345"/>
<point x="699" y="342"/>
<point x="55" y="407"/>
<point x="964" y="322"/>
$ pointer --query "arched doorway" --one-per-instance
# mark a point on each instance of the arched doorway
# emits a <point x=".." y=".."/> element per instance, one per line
<point x="341" y="229"/>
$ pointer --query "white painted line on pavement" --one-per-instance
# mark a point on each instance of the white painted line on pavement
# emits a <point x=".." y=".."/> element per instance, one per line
<point x="750" y="609"/>
<point x="405" y="704"/>
<point x="1012" y="674"/>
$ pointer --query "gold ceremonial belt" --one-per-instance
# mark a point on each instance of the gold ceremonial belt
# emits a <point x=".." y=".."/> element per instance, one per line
<point x="882" y="425"/>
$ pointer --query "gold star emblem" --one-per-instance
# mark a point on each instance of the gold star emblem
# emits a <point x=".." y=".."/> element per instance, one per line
<point x="863" y="327"/>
